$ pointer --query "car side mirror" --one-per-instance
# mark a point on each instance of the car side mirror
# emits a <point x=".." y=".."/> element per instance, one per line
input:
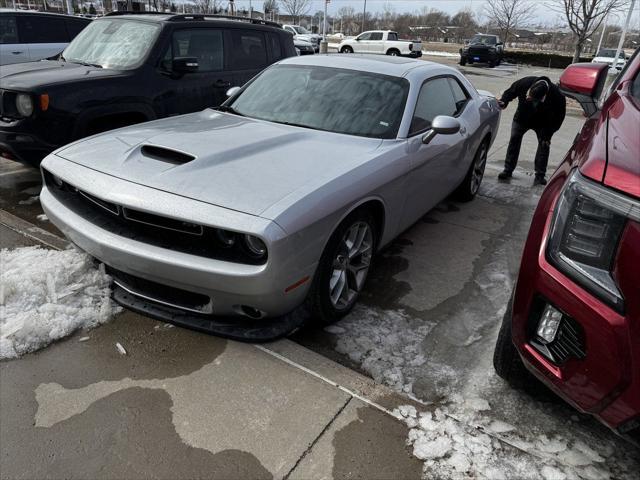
<point x="441" y="125"/>
<point x="232" y="91"/>
<point x="185" y="64"/>
<point x="584" y="82"/>
<point x="498" y="44"/>
<point x="357" y="39"/>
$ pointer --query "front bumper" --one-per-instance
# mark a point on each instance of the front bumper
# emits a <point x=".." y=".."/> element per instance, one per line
<point x="482" y="57"/>
<point x="227" y="285"/>
<point x="19" y="142"/>
<point x="604" y="383"/>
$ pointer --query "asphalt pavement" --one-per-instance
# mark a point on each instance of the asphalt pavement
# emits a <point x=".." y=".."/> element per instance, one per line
<point x="181" y="404"/>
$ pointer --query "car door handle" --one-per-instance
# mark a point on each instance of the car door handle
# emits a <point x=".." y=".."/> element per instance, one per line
<point x="17" y="53"/>
<point x="221" y="83"/>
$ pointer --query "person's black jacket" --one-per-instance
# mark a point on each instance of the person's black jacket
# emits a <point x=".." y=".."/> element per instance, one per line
<point x="547" y="117"/>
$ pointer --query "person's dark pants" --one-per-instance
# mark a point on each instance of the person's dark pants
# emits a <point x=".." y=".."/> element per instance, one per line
<point x="513" y="151"/>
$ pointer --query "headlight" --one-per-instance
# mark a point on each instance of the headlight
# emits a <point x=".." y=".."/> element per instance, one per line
<point x="24" y="104"/>
<point x="255" y="246"/>
<point x="587" y="225"/>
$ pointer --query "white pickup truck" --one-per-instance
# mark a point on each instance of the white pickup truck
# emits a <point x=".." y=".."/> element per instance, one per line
<point x="383" y="42"/>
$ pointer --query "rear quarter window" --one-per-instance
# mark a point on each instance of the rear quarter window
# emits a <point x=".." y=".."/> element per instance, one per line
<point x="8" y="30"/>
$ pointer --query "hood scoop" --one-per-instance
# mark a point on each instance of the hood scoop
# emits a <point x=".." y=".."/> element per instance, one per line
<point x="167" y="155"/>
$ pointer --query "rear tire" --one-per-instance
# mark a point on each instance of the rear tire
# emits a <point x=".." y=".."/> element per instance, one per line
<point x="343" y="268"/>
<point x="346" y="49"/>
<point x="469" y="187"/>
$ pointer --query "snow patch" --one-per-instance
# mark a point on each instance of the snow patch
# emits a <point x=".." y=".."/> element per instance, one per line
<point x="29" y="201"/>
<point x="46" y="295"/>
<point x="432" y="53"/>
<point x="42" y="218"/>
<point x="385" y="343"/>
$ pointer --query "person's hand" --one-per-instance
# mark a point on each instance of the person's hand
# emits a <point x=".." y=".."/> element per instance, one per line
<point x="502" y="105"/>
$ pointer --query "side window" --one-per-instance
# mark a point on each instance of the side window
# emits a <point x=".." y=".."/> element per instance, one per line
<point x="460" y="97"/>
<point x="376" y="36"/>
<point x="276" y="47"/>
<point x="635" y="88"/>
<point x="74" y="27"/>
<point x="8" y="30"/>
<point x="205" y="44"/>
<point x="37" y="29"/>
<point x="435" y="98"/>
<point x="365" y="36"/>
<point x="249" y="50"/>
<point x="392" y="36"/>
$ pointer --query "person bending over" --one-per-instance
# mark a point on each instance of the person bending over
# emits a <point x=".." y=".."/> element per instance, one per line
<point x="541" y="108"/>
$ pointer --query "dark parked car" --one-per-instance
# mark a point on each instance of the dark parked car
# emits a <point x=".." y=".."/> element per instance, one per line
<point x="27" y="36"/>
<point x="574" y="318"/>
<point x="127" y="69"/>
<point x="482" y="49"/>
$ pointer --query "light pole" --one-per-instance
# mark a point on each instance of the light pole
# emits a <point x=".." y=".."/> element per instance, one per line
<point x="604" y="28"/>
<point x="364" y="15"/>
<point x="624" y="33"/>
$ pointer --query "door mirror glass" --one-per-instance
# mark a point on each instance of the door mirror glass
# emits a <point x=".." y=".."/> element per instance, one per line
<point x="185" y="64"/>
<point x="441" y="125"/>
<point x="232" y="91"/>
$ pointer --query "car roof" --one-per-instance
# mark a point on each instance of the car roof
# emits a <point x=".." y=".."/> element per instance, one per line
<point x="380" y="64"/>
<point x="36" y="12"/>
<point x="226" y="20"/>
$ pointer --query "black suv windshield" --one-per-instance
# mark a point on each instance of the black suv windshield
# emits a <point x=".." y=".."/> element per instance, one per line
<point x="112" y="43"/>
<point x="329" y="99"/>
<point x="484" y="40"/>
<point x="301" y="30"/>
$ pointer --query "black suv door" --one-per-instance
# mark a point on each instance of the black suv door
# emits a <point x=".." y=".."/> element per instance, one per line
<point x="190" y="92"/>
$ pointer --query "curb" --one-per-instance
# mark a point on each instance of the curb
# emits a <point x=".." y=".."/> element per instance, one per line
<point x="32" y="231"/>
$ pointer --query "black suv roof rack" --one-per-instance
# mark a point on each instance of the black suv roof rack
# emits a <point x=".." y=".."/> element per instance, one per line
<point x="173" y="17"/>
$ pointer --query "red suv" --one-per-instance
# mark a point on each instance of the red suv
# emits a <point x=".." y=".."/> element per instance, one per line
<point x="574" y="316"/>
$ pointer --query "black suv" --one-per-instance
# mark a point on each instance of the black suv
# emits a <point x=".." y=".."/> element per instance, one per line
<point x="482" y="49"/>
<point x="124" y="69"/>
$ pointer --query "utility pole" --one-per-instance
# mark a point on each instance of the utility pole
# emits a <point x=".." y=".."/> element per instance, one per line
<point x="604" y="29"/>
<point x="364" y="15"/>
<point x="624" y="33"/>
<point x="324" y="22"/>
<point x="69" y="8"/>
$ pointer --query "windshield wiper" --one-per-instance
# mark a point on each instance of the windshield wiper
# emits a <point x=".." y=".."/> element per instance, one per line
<point x="86" y="64"/>
<point x="293" y="124"/>
<point x="229" y="109"/>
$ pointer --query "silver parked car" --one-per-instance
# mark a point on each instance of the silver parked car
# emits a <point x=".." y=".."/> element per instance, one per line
<point x="243" y="220"/>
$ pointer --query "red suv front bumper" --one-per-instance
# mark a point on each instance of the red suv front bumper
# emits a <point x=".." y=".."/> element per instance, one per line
<point x="606" y="380"/>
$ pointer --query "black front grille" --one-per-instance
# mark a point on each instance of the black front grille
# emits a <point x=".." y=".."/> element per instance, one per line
<point x="149" y="228"/>
<point x="161" y="293"/>
<point x="478" y="51"/>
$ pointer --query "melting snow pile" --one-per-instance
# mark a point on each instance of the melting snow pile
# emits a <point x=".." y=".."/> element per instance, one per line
<point x="46" y="295"/>
<point x="466" y="443"/>
<point x="386" y="344"/>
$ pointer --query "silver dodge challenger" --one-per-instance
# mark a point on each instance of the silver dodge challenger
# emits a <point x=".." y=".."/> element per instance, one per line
<point x="250" y="219"/>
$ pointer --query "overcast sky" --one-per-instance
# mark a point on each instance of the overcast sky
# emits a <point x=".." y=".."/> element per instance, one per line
<point x="543" y="14"/>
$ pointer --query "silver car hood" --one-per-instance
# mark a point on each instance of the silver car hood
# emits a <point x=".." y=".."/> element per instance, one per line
<point x="238" y="163"/>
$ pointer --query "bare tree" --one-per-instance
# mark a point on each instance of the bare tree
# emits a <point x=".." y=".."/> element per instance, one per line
<point x="508" y="15"/>
<point x="296" y="8"/>
<point x="585" y="17"/>
<point x="271" y="7"/>
<point x="206" y="6"/>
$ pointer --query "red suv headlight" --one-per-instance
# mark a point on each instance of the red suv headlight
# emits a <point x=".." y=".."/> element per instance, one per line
<point x="587" y="224"/>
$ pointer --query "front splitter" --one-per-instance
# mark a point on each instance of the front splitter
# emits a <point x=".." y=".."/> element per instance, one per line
<point x="232" y="327"/>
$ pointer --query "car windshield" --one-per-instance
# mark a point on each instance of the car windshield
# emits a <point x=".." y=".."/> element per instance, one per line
<point x="329" y="99"/>
<point x="484" y="40"/>
<point x="609" y="52"/>
<point x="112" y="43"/>
<point x="301" y="30"/>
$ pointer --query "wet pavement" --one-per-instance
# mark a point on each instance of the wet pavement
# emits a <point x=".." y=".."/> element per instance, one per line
<point x="184" y="405"/>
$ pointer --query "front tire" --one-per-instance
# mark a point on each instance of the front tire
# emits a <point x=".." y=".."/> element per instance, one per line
<point x="469" y="187"/>
<point x="463" y="61"/>
<point x="393" y="52"/>
<point x="346" y="49"/>
<point x="343" y="267"/>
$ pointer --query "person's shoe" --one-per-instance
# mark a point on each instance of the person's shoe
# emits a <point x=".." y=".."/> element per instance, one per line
<point x="504" y="175"/>
<point x="539" y="180"/>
